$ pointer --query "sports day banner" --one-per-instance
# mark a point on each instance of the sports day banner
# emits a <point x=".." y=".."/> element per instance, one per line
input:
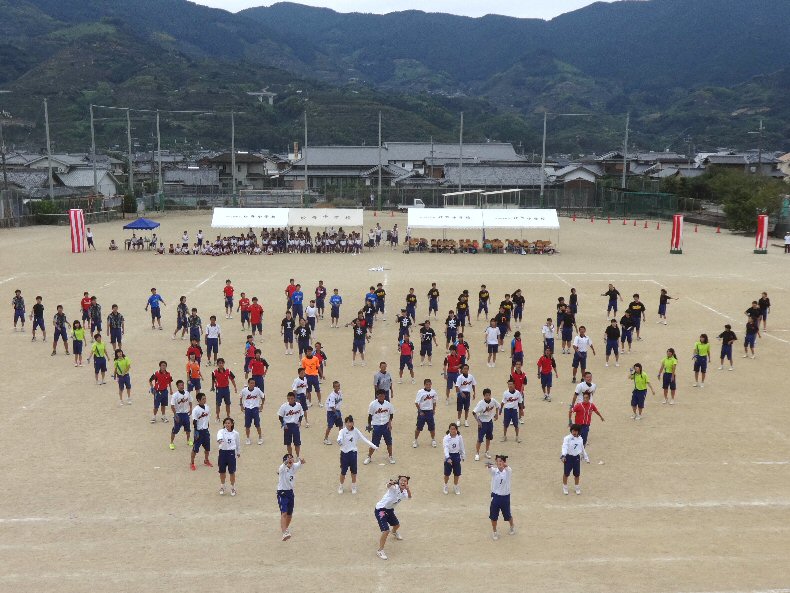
<point x="77" y="229"/>
<point x="676" y="240"/>
<point x="761" y="238"/>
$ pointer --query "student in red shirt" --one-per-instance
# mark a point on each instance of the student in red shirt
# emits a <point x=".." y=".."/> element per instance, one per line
<point x="406" y="348"/>
<point x="196" y="349"/>
<point x="244" y="307"/>
<point x="258" y="368"/>
<point x="289" y="291"/>
<point x="450" y="370"/>
<point x="256" y="316"/>
<point x="584" y="411"/>
<point x="546" y="364"/>
<point x="249" y="354"/>
<point x="462" y="347"/>
<point x="221" y="380"/>
<point x="85" y="305"/>
<point x="228" y="292"/>
<point x="516" y="349"/>
<point x="319" y="353"/>
<point x="161" y="388"/>
<point x="519" y="379"/>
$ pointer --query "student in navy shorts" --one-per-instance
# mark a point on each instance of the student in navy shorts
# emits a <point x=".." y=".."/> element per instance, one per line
<point x="285" y="491"/>
<point x="200" y="416"/>
<point x="500" y="494"/>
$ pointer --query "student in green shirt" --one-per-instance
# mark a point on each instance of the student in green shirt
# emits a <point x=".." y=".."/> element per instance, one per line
<point x="666" y="372"/>
<point x="641" y="382"/>
<point x="121" y="368"/>
<point x="78" y="341"/>
<point x="701" y="360"/>
<point x="99" y="355"/>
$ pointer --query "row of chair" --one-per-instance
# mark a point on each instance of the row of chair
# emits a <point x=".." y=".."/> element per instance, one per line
<point x="473" y="246"/>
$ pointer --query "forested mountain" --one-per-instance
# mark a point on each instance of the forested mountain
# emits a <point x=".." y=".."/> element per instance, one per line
<point x="701" y="71"/>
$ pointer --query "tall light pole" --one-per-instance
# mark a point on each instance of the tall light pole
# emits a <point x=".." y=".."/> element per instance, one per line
<point x="131" y="159"/>
<point x="233" y="155"/>
<point x="543" y="155"/>
<point x="759" y="134"/>
<point x="49" y="151"/>
<point x="159" y="157"/>
<point x="304" y="157"/>
<point x="379" y="161"/>
<point x="93" y="157"/>
<point x="2" y="154"/>
<point x="461" y="152"/>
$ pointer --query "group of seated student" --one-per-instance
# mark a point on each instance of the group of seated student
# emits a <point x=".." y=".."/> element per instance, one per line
<point x="472" y="246"/>
<point x="271" y="241"/>
<point x="137" y="243"/>
<point x="524" y="247"/>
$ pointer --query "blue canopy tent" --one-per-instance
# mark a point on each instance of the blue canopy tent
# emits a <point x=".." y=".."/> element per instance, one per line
<point x="141" y="224"/>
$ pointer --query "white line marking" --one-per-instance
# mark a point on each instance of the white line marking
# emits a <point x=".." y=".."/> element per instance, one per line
<point x="561" y="279"/>
<point x="7" y="279"/>
<point x="110" y="282"/>
<point x="201" y="283"/>
<point x="702" y="504"/>
<point x="711" y="309"/>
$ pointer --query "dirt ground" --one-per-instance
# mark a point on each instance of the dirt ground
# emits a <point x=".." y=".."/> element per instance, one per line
<point x="693" y="498"/>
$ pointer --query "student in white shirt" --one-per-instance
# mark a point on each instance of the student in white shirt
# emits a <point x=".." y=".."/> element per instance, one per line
<point x="311" y="313"/>
<point x="251" y="401"/>
<point x="581" y="344"/>
<point x="285" y="491"/>
<point x="454" y="454"/>
<point x="181" y="406"/>
<point x="299" y="387"/>
<point x="425" y="403"/>
<point x="586" y="386"/>
<point x="397" y="490"/>
<point x="334" y="417"/>
<point x="511" y="399"/>
<point x="572" y="452"/>
<point x="492" y="342"/>
<point x="229" y="451"/>
<point x="501" y="474"/>
<point x="380" y="416"/>
<point x="486" y="412"/>
<point x="348" y="439"/>
<point x="200" y="418"/>
<point x="548" y="332"/>
<point x="290" y="415"/>
<point x="465" y="392"/>
<point x="213" y="339"/>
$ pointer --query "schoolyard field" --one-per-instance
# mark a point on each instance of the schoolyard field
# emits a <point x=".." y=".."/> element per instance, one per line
<point x="692" y="498"/>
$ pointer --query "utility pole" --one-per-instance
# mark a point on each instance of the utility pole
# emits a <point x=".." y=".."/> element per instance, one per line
<point x="131" y="159"/>
<point x="461" y="152"/>
<point x="304" y="157"/>
<point x="49" y="151"/>
<point x="233" y="154"/>
<point x="543" y="160"/>
<point x="625" y="150"/>
<point x="379" y="160"/>
<point x="760" y="148"/>
<point x="159" y="156"/>
<point x="93" y="157"/>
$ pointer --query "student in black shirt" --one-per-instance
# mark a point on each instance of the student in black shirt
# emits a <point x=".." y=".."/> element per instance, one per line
<point x="638" y="315"/>
<point x="765" y="307"/>
<point x="728" y="338"/>
<point x="427" y="342"/>
<point x="613" y="294"/>
<point x="612" y="338"/>
<point x="482" y="300"/>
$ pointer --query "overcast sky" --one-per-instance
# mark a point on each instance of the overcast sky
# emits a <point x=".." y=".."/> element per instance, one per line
<point x="544" y="9"/>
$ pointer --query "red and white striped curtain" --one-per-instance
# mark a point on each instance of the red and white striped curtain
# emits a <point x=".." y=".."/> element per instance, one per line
<point x="761" y="238"/>
<point x="676" y="242"/>
<point x="77" y="227"/>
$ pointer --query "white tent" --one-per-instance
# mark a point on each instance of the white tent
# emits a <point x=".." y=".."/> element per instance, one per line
<point x="445" y="218"/>
<point x="511" y="218"/>
<point x="324" y="217"/>
<point x="237" y="218"/>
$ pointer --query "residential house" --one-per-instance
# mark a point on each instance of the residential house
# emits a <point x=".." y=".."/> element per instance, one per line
<point x="493" y="176"/>
<point x="784" y="166"/>
<point x="578" y="175"/>
<point x="253" y="171"/>
<point x="191" y="181"/>
<point x="81" y="180"/>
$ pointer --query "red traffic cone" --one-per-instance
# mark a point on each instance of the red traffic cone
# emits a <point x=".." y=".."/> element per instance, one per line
<point x="592" y="219"/>
<point x="718" y="230"/>
<point x="624" y="221"/>
<point x="609" y="220"/>
<point x="634" y="222"/>
<point x="645" y="224"/>
<point x="375" y="214"/>
<point x="574" y="217"/>
<point x="695" y="228"/>
<point x="392" y="214"/>
<point x="658" y="226"/>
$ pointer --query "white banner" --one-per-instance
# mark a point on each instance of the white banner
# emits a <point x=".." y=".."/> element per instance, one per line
<point x="324" y="217"/>
<point x="445" y="218"/>
<point x="239" y="218"/>
<point x="522" y="218"/>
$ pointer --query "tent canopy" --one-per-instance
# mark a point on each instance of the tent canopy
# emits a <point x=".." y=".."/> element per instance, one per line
<point x="239" y="218"/>
<point x="445" y="218"/>
<point x="324" y="217"/>
<point x="142" y="224"/>
<point x="519" y="218"/>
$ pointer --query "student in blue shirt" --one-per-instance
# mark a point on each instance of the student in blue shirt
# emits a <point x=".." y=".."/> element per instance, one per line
<point x="296" y="302"/>
<point x="335" y="301"/>
<point x="371" y="296"/>
<point x="153" y="301"/>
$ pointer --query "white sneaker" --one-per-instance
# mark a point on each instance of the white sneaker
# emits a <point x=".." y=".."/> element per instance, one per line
<point x="721" y="368"/>
<point x="340" y="489"/>
<point x="488" y="455"/>
<point x="445" y="490"/>
<point x="638" y="417"/>
<point x="381" y="554"/>
<point x="153" y="420"/>
<point x="578" y="490"/>
<point x="518" y="439"/>
<point x="702" y="385"/>
<point x="633" y="416"/>
<point x="752" y="356"/>
<point x="400" y="381"/>
<point x="617" y="364"/>
<point x="495" y="536"/>
<point x="456" y="489"/>
<point x="695" y="384"/>
<point x="248" y="442"/>
<point x="665" y="323"/>
<point x="320" y="404"/>
<point x="477" y="457"/>
<point x="397" y="536"/>
<point x="565" y="490"/>
<point x="327" y="442"/>
<point x="512" y="531"/>
<point x="433" y="444"/>
<point x="392" y="460"/>
<point x="367" y="461"/>
<point x="730" y="369"/>
<point x="353" y="490"/>
<point x="413" y="381"/>
<point x="414" y="445"/>
<point x="466" y="423"/>
<point x="745" y="356"/>
<point x="286" y="535"/>
<point x="503" y="440"/>
<point x="164" y="418"/>
<point x="222" y="490"/>
<point x="607" y="364"/>
<point x="233" y="491"/>
<point x="521" y="421"/>
<point x="260" y="441"/>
